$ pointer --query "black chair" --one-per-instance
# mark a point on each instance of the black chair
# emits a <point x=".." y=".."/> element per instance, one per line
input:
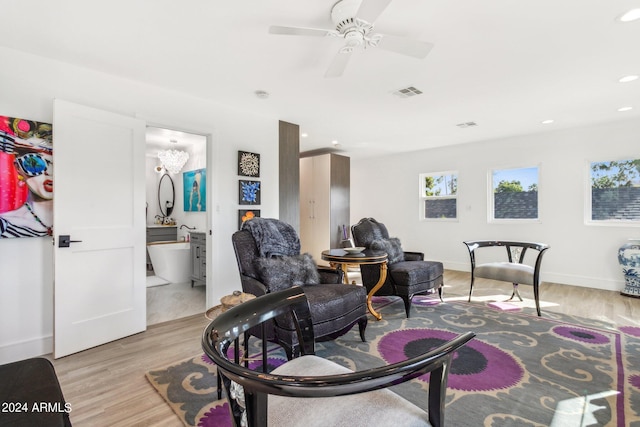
<point x="310" y="376"/>
<point x="31" y="395"/>
<point x="335" y="307"/>
<point x="514" y="270"/>
<point x="408" y="274"/>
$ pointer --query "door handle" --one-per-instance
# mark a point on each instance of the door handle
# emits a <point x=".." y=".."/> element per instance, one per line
<point x="64" y="241"/>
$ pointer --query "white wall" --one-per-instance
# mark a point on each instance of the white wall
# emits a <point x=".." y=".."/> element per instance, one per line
<point x="583" y="255"/>
<point x="28" y="85"/>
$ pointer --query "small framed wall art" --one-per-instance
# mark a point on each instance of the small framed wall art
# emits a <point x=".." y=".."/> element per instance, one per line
<point x="195" y="191"/>
<point x="248" y="164"/>
<point x="249" y="192"/>
<point x="246" y="214"/>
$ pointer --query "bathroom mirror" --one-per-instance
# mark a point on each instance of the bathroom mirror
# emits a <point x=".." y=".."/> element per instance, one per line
<point x="166" y="195"/>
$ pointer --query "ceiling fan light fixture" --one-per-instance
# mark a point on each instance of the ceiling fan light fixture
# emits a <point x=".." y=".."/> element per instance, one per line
<point x="353" y="38"/>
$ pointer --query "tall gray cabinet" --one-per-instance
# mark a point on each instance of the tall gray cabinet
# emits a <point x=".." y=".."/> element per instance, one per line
<point x="324" y="202"/>
<point x="198" y="248"/>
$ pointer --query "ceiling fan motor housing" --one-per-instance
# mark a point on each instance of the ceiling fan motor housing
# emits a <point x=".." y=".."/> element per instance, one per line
<point x="344" y="10"/>
<point x="353" y="30"/>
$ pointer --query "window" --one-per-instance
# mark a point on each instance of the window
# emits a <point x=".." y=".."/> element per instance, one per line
<point x="514" y="194"/>
<point x="615" y="190"/>
<point x="438" y="195"/>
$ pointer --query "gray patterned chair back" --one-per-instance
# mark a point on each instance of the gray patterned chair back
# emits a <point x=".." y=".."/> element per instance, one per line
<point x="368" y="230"/>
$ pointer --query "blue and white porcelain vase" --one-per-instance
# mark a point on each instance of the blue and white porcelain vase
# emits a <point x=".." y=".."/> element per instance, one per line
<point x="629" y="259"/>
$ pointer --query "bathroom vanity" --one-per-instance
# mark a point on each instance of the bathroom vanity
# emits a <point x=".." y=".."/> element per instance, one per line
<point x="160" y="233"/>
<point x="198" y="245"/>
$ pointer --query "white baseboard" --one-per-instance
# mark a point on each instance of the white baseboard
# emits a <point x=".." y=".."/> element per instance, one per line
<point x="560" y="278"/>
<point x="26" y="349"/>
<point x="456" y="266"/>
<point x="584" y="281"/>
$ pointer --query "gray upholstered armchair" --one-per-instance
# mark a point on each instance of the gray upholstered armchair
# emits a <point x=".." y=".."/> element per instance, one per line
<point x="269" y="260"/>
<point x="408" y="273"/>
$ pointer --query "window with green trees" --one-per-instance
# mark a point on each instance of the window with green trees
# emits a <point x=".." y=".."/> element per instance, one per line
<point x="615" y="190"/>
<point x="514" y="193"/>
<point x="438" y="192"/>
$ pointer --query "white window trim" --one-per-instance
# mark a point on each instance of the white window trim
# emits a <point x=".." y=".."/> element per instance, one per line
<point x="491" y="200"/>
<point x="423" y="198"/>
<point x="588" y="201"/>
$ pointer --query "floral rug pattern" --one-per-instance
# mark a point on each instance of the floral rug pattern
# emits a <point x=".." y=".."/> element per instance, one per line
<point x="520" y="370"/>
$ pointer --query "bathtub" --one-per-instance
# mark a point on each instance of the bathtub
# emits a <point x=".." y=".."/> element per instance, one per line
<point x="171" y="260"/>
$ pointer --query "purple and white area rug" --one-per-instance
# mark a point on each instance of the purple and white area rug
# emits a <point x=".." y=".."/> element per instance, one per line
<point x="519" y="370"/>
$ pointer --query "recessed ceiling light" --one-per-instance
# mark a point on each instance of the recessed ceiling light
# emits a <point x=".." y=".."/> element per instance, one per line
<point x="335" y="142"/>
<point x="547" y="122"/>
<point x="627" y="79"/>
<point x="304" y="135"/>
<point x="625" y="109"/>
<point x="632" y="15"/>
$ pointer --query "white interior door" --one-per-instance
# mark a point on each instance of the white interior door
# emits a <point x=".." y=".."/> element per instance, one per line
<point x="99" y="279"/>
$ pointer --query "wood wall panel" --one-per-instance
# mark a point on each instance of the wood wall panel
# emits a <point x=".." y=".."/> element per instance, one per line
<point x="340" y="197"/>
<point x="289" y="173"/>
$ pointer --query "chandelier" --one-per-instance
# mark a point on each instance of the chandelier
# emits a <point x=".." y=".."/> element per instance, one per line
<point x="173" y="160"/>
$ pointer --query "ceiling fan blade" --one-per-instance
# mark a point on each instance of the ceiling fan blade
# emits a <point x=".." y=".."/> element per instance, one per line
<point x="298" y="31"/>
<point x="338" y="64"/>
<point x="410" y="47"/>
<point x="370" y="10"/>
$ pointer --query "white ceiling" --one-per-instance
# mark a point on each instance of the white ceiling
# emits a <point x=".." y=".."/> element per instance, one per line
<point x="163" y="139"/>
<point x="505" y="64"/>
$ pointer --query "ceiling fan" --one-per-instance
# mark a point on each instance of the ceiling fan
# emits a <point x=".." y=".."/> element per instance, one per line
<point x="354" y="21"/>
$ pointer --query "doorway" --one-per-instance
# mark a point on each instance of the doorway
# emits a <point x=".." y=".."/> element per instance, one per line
<point x="173" y="213"/>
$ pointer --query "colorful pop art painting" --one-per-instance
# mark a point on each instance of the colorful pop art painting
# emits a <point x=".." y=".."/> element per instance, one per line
<point x="26" y="178"/>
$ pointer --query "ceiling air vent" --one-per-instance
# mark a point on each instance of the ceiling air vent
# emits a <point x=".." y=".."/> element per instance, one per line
<point x="407" y="92"/>
<point x="466" y="125"/>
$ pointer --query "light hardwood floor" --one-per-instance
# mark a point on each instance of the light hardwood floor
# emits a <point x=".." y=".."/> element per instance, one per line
<point x="106" y="385"/>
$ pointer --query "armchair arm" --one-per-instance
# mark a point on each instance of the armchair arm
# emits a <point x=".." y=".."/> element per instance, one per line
<point x="330" y="275"/>
<point x="252" y="286"/>
<point x="413" y="256"/>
